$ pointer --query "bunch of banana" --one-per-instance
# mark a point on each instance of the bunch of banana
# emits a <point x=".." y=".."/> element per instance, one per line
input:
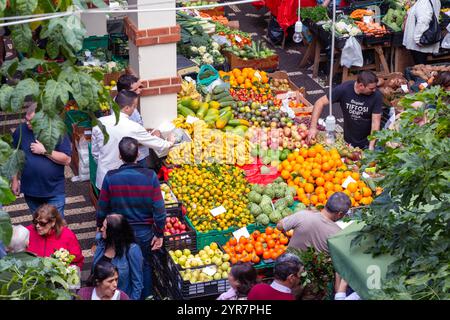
<point x="188" y="89"/>
<point x="212" y="146"/>
<point x="180" y="122"/>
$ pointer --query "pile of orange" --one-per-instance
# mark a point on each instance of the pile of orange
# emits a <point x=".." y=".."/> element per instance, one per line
<point x="246" y="78"/>
<point x="317" y="173"/>
<point x="261" y="245"/>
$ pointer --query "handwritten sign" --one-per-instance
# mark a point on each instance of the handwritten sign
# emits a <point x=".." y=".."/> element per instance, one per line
<point x="238" y="39"/>
<point x="405" y="88"/>
<point x="242" y="232"/>
<point x="216" y="211"/>
<point x="210" y="271"/>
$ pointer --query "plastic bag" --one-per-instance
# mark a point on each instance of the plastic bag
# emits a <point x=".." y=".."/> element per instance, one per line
<point x="83" y="164"/>
<point x="352" y="53"/>
<point x="446" y="41"/>
<point x="207" y="75"/>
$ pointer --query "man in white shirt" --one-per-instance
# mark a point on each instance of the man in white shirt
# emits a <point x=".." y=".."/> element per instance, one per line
<point x="107" y="155"/>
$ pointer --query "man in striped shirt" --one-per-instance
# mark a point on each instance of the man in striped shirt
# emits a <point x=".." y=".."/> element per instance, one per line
<point x="134" y="192"/>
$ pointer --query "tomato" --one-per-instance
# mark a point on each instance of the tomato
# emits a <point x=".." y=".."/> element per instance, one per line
<point x="267" y="255"/>
<point x="271" y="243"/>
<point x="269" y="230"/>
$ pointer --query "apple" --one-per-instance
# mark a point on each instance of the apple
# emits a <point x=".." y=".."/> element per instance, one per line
<point x="176" y="225"/>
<point x="169" y="226"/>
<point x="183" y="227"/>
<point x="172" y="230"/>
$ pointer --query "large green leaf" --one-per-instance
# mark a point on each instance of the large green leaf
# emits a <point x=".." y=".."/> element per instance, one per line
<point x="49" y="130"/>
<point x="9" y="67"/>
<point x="3" y="5"/>
<point x="56" y="93"/>
<point x="6" y="195"/>
<point x="80" y="4"/>
<point x="99" y="4"/>
<point x="22" y="37"/>
<point x="24" y="88"/>
<point x="46" y="6"/>
<point x="5" y="97"/>
<point x="84" y="88"/>
<point x="5" y="227"/>
<point x="25" y="7"/>
<point x="13" y="164"/>
<point x="5" y="151"/>
<point x="29" y="64"/>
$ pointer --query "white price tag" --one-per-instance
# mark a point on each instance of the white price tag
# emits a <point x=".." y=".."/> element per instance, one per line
<point x="238" y="39"/>
<point x="347" y="182"/>
<point x="210" y="271"/>
<point x="405" y="88"/>
<point x="189" y="79"/>
<point x="424" y="84"/>
<point x="365" y="175"/>
<point x="216" y="211"/>
<point x="163" y="194"/>
<point x="256" y="74"/>
<point x="263" y="108"/>
<point x="191" y="119"/>
<point x="242" y="232"/>
<point x="343" y="225"/>
<point x="367" y="19"/>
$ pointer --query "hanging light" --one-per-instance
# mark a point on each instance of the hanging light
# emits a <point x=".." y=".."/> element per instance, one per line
<point x="330" y="121"/>
<point x="298" y="37"/>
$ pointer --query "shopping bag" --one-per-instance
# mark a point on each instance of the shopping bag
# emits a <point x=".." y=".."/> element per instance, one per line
<point x="352" y="53"/>
<point x="207" y="75"/>
<point x="446" y="41"/>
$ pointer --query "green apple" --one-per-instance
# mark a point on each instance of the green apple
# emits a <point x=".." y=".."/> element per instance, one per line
<point x="224" y="275"/>
<point x="182" y="260"/>
<point x="225" y="266"/>
<point x="217" y="276"/>
<point x="208" y="261"/>
<point x="210" y="253"/>
<point x="204" y="256"/>
<point x="206" y="248"/>
<point x="226" y="257"/>
<point x="194" y="263"/>
<point x="213" y="246"/>
<point x="187" y="252"/>
<point x="178" y="253"/>
<point x="201" y="253"/>
<point x="218" y="252"/>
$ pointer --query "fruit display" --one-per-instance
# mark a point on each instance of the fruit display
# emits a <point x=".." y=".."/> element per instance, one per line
<point x="236" y="37"/>
<point x="197" y="3"/>
<point x="212" y="146"/>
<point x="427" y="72"/>
<point x="193" y="26"/>
<point x="394" y="19"/>
<point x="343" y="27"/>
<point x="280" y="85"/>
<point x="205" y="187"/>
<point x="180" y="122"/>
<point x="169" y="197"/>
<point x="261" y="114"/>
<point x="247" y="78"/>
<point x="206" y="54"/>
<point x="270" y="203"/>
<point x="188" y="89"/>
<point x="264" y="246"/>
<point x="174" y="226"/>
<point x="316" y="173"/>
<point x="257" y="50"/>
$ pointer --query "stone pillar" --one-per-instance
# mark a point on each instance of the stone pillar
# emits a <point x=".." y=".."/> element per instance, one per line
<point x="153" y="57"/>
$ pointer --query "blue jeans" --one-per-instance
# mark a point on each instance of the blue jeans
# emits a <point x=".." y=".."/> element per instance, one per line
<point x="35" y="202"/>
<point x="144" y="236"/>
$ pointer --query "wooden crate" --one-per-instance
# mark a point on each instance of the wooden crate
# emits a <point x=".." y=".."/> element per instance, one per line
<point x="282" y="75"/>
<point x="270" y="63"/>
<point x="308" y="106"/>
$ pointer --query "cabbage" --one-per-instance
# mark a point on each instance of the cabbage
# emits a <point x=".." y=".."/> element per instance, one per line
<point x="263" y="219"/>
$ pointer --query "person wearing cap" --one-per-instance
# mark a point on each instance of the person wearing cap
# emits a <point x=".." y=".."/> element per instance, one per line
<point x="312" y="228"/>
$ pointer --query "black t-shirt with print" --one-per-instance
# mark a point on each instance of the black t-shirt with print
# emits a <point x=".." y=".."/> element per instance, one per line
<point x="357" y="110"/>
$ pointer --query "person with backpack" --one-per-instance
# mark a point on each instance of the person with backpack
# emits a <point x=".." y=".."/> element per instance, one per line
<point x="422" y="32"/>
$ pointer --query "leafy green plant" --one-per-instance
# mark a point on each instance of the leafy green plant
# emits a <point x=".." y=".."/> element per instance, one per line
<point x="410" y="219"/>
<point x="49" y="76"/>
<point x="318" y="273"/>
<point x="35" y="278"/>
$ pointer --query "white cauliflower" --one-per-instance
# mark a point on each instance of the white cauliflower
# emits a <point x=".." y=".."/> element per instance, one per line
<point x="215" y="45"/>
<point x="194" y="49"/>
<point x="341" y="27"/>
<point x="202" y="50"/>
<point x="216" y="53"/>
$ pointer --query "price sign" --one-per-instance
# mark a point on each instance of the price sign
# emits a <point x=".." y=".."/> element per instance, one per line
<point x="405" y="88"/>
<point x="263" y="108"/>
<point x="216" y="211"/>
<point x="237" y="38"/>
<point x="367" y="19"/>
<point x="365" y="175"/>
<point x="347" y="182"/>
<point x="257" y="75"/>
<point x="210" y="271"/>
<point x="242" y="232"/>
<point x="163" y="194"/>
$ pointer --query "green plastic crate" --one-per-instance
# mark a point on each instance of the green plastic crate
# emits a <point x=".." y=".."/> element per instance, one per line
<point x="76" y="117"/>
<point x="95" y="42"/>
<point x="92" y="170"/>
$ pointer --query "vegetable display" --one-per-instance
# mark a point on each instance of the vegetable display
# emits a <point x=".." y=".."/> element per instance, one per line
<point x="427" y="72"/>
<point x="394" y="19"/>
<point x="257" y="50"/>
<point x="315" y="14"/>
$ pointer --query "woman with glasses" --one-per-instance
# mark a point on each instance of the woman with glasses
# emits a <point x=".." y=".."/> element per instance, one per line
<point x="48" y="234"/>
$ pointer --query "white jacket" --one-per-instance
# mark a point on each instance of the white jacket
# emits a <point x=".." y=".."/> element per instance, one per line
<point x="418" y="21"/>
<point x="107" y="156"/>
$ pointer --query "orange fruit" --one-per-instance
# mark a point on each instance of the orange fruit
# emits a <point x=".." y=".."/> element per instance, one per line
<point x="311" y="153"/>
<point x="347" y="192"/>
<point x="314" y="199"/>
<point x="329" y="193"/>
<point x="339" y="174"/>
<point x="285" y="174"/>
<point x="337" y="180"/>
<point x="357" y="196"/>
<point x="320" y="190"/>
<point x="355" y="175"/>
<point x="338" y="188"/>
<point x="306" y="201"/>
<point x="320" y="181"/>
<point x="328" y="186"/>
<point x="309" y="187"/>
<point x="306" y="174"/>
<point x="299" y="159"/>
<point x="300" y="192"/>
<point x="352" y="187"/>
<point x="366" y="192"/>
<point x="328" y="176"/>
<point x="347" y="173"/>
<point x="316" y="173"/>
<point x="322" y="198"/>
<point x="326" y="167"/>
